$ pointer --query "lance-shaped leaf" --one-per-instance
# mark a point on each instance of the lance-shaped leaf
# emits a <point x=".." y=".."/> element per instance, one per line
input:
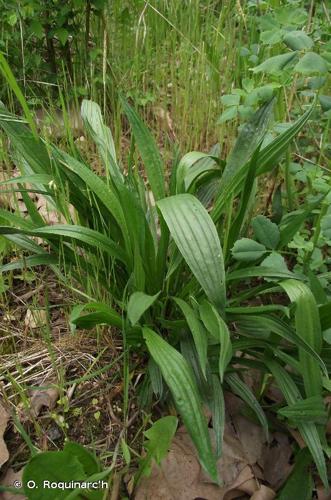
<point x="179" y="378"/>
<point x="138" y="303"/>
<point x="198" y="332"/>
<point x="219" y="330"/>
<point x="308" y="327"/>
<point x="197" y="240"/>
<point x="149" y="152"/>
<point x="248" y="140"/>
<point x="79" y="233"/>
<point x="244" y="392"/>
<point x="102" y="136"/>
<point x="307" y="429"/>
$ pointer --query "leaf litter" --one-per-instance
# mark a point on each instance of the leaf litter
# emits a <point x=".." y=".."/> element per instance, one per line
<point x="249" y="466"/>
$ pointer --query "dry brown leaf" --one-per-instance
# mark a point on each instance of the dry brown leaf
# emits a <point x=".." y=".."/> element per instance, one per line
<point x="276" y="460"/>
<point x="241" y="468"/>
<point x="180" y="476"/>
<point x="35" y="318"/>
<point x="9" y="480"/>
<point x="44" y="398"/>
<point x="264" y="493"/>
<point x="4" y="417"/>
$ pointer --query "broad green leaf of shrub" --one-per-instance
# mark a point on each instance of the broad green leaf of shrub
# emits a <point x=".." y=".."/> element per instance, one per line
<point x="325" y="101"/>
<point x="230" y="99"/>
<point x="158" y="437"/>
<point x="326" y="226"/>
<point x="271" y="37"/>
<point x="139" y="302"/>
<point x="274" y="261"/>
<point x="298" y="40"/>
<point x="265" y="231"/>
<point x="311" y="63"/>
<point x="179" y="378"/>
<point x="196" y="237"/>
<point x="275" y="64"/>
<point x="229" y="114"/>
<point x="247" y="250"/>
<point x="73" y="463"/>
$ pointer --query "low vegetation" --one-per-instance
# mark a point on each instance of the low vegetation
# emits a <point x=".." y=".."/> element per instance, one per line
<point x="210" y="268"/>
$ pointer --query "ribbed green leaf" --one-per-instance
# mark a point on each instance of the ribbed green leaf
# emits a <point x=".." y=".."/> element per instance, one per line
<point x="138" y="303"/>
<point x="198" y="332"/>
<point x="217" y="407"/>
<point x="149" y="152"/>
<point x="178" y="377"/>
<point x="306" y="410"/>
<point x="190" y="168"/>
<point x="101" y="134"/>
<point x="31" y="179"/>
<point x="101" y="314"/>
<point x="292" y="222"/>
<point x="244" y="392"/>
<point x="25" y="142"/>
<point x="307" y="430"/>
<point x="80" y="233"/>
<point x="248" y="140"/>
<point x="32" y="261"/>
<point x="196" y="238"/>
<point x="274" y="325"/>
<point x="299" y="484"/>
<point x="218" y="329"/>
<point x="272" y="153"/>
<point x="268" y="158"/>
<point x="308" y="327"/>
<point x="96" y="185"/>
<point x="258" y="271"/>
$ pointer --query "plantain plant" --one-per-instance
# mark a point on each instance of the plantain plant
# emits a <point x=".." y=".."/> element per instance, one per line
<point x="183" y="271"/>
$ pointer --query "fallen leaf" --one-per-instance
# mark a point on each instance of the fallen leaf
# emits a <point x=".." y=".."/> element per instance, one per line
<point x="264" y="493"/>
<point x="44" y="398"/>
<point x="180" y="476"/>
<point x="35" y="318"/>
<point x="276" y="460"/>
<point x="9" y="480"/>
<point x="247" y="459"/>
<point x="4" y="417"/>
